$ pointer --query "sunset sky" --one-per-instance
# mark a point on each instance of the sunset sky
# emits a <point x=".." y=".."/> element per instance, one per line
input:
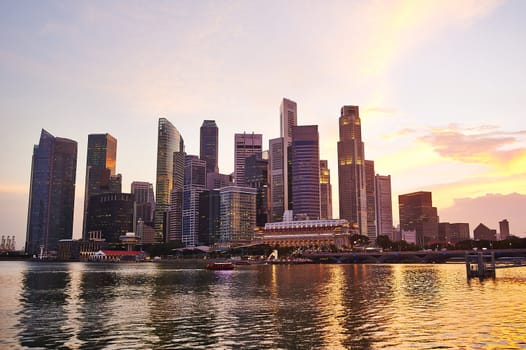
<point x="441" y="87"/>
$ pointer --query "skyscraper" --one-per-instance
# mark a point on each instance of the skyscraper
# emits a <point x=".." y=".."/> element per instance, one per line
<point x="370" y="191"/>
<point x="51" y="193"/>
<point x="504" y="227"/>
<point x="111" y="215"/>
<point x="256" y="176"/>
<point x="237" y="213"/>
<point x="209" y="145"/>
<point x="384" y="207"/>
<point x="325" y="191"/>
<point x="144" y="204"/>
<point x="169" y="141"/>
<point x="288" y="117"/>
<point x="305" y="159"/>
<point x="245" y="145"/>
<point x="194" y="184"/>
<point x="101" y="161"/>
<point x="351" y="170"/>
<point x="418" y="214"/>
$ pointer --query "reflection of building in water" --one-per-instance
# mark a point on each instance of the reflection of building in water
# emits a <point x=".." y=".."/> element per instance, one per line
<point x="305" y="233"/>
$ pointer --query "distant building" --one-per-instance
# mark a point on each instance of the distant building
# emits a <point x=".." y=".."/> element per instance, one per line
<point x="194" y="184"/>
<point x="237" y="214"/>
<point x="325" y="191"/>
<point x="305" y="159"/>
<point x="384" y="207"/>
<point x="215" y="180"/>
<point x="278" y="202"/>
<point x="209" y="217"/>
<point x="351" y="169"/>
<point x="144" y="204"/>
<point x="169" y="141"/>
<point x="370" y="191"/>
<point x="174" y="214"/>
<point x="482" y="232"/>
<point x="51" y="194"/>
<point x="418" y="214"/>
<point x="101" y="163"/>
<point x="305" y="233"/>
<point x="245" y="145"/>
<point x="256" y="176"/>
<point x="504" y="227"/>
<point x="111" y="214"/>
<point x="209" y="145"/>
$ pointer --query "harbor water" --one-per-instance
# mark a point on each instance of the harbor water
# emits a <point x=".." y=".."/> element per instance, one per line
<point x="174" y="305"/>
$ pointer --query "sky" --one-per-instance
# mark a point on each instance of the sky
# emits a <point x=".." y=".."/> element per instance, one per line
<point x="441" y="87"/>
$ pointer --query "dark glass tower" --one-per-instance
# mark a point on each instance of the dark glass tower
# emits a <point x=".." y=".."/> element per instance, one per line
<point x="351" y="170"/>
<point x="111" y="214"/>
<point x="256" y="176"/>
<point x="51" y="194"/>
<point x="418" y="214"/>
<point x="169" y="141"/>
<point x="305" y="157"/>
<point x="209" y="145"/>
<point x="100" y="170"/>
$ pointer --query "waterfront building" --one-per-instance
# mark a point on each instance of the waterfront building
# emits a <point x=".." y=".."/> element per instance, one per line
<point x="453" y="232"/>
<point x="384" y="207"/>
<point x="351" y="170"/>
<point x="144" y="203"/>
<point x="483" y="232"/>
<point x="216" y="180"/>
<point x="256" y="176"/>
<point x="174" y="214"/>
<point x="237" y="214"/>
<point x="306" y="233"/>
<point x="245" y="145"/>
<point x="51" y="194"/>
<point x="194" y="184"/>
<point x="504" y="227"/>
<point x="209" y="217"/>
<point x="209" y="145"/>
<point x="169" y="141"/>
<point x="325" y="191"/>
<point x="110" y="216"/>
<point x="101" y="161"/>
<point x="370" y="191"/>
<point x="305" y="159"/>
<point x="418" y="214"/>
<point x="277" y="201"/>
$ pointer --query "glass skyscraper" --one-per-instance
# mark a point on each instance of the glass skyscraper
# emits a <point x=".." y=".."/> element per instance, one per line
<point x="51" y="194"/>
<point x="169" y="141"/>
<point x="209" y="145"/>
<point x="245" y="145"/>
<point x="325" y="191"/>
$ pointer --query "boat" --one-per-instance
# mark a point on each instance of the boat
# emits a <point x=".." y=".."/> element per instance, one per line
<point x="220" y="266"/>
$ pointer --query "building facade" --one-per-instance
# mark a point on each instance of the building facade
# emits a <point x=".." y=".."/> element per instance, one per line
<point x="101" y="161"/>
<point x="209" y="145"/>
<point x="504" y="228"/>
<point x="418" y="214"/>
<point x="169" y="141"/>
<point x="351" y="169"/>
<point x="51" y="194"/>
<point x="483" y="232"/>
<point x="237" y="214"/>
<point x="144" y="203"/>
<point x="384" y="207"/>
<point x="111" y="215"/>
<point x="245" y="145"/>
<point x="194" y="184"/>
<point x="305" y="160"/>
<point x="325" y="191"/>
<point x="256" y="176"/>
<point x="370" y="190"/>
<point x="277" y="201"/>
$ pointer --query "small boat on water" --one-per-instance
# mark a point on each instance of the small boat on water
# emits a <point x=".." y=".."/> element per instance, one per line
<point x="220" y="266"/>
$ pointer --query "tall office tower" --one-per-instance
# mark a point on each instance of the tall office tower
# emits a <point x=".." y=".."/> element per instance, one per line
<point x="110" y="216"/>
<point x="351" y="170"/>
<point x="418" y="214"/>
<point x="305" y="159"/>
<point x="384" y="207"/>
<point x="209" y="217"/>
<point x="237" y="213"/>
<point x="169" y="140"/>
<point x="277" y="181"/>
<point x="216" y="180"/>
<point x="194" y="184"/>
<point x="100" y="167"/>
<point x="174" y="214"/>
<point x="256" y="175"/>
<point x="370" y="191"/>
<point x="51" y="194"/>
<point x="245" y="145"/>
<point x="288" y="117"/>
<point x="144" y="203"/>
<point x="325" y="191"/>
<point x="209" y="145"/>
<point x="504" y="227"/>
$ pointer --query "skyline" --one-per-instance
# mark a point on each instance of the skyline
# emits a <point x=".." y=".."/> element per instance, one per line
<point x="83" y="68"/>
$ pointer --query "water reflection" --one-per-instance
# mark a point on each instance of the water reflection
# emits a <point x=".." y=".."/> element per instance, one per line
<point x="177" y="305"/>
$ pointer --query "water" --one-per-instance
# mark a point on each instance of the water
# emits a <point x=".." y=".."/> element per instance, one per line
<point x="181" y="305"/>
